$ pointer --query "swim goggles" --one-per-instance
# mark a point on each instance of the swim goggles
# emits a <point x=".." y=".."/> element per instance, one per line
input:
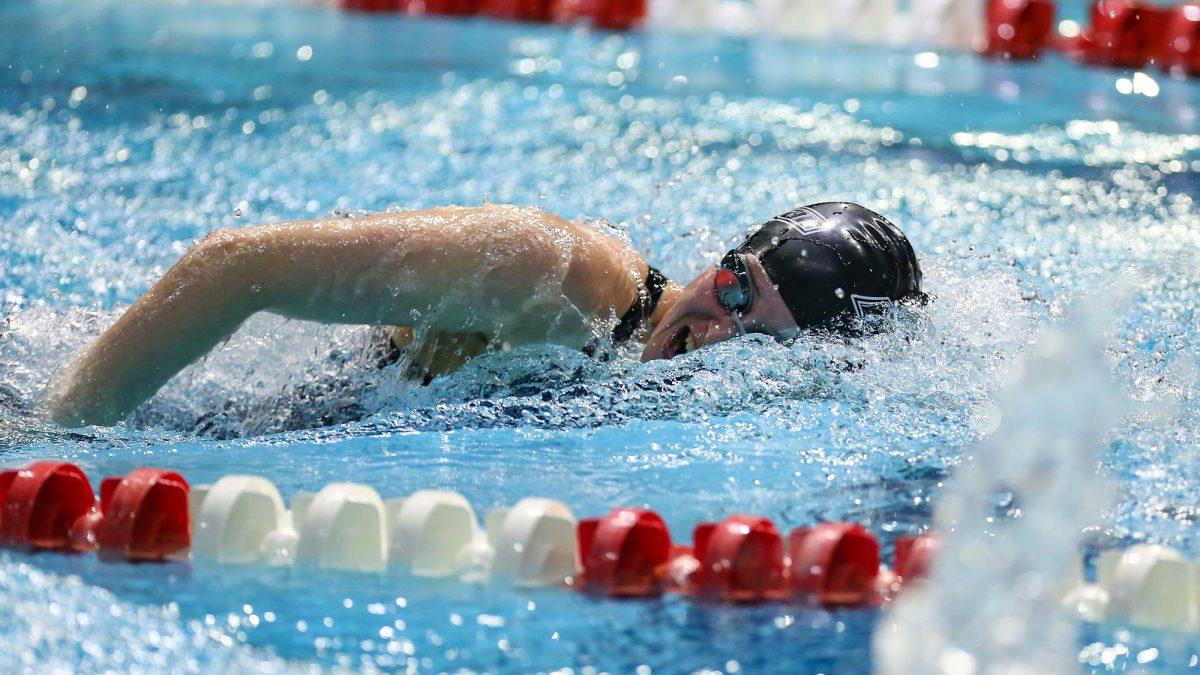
<point x="734" y="289"/>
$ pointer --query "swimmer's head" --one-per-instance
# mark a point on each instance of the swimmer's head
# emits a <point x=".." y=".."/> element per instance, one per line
<point x="818" y="266"/>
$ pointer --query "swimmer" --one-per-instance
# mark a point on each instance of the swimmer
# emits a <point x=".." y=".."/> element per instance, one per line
<point x="457" y="282"/>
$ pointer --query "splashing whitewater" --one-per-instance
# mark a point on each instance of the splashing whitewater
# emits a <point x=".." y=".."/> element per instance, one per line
<point x="1014" y="515"/>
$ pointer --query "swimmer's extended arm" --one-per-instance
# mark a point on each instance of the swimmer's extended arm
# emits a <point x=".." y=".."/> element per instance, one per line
<point x="517" y="276"/>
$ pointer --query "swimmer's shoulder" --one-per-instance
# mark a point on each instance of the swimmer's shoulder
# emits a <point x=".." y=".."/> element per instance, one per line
<point x="603" y="271"/>
<point x="599" y="270"/>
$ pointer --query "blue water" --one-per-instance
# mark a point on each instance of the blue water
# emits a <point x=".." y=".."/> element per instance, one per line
<point x="127" y="130"/>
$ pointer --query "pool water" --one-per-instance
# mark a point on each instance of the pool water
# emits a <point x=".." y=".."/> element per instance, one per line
<point x="127" y="130"/>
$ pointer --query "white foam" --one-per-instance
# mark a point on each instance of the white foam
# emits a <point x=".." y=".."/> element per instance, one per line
<point x="72" y="626"/>
<point x="991" y="604"/>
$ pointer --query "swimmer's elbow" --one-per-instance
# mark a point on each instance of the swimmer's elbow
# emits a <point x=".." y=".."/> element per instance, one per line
<point x="229" y="264"/>
<point x="221" y="243"/>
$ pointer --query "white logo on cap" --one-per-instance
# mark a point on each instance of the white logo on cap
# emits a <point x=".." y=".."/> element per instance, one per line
<point x="864" y="302"/>
<point x="804" y="219"/>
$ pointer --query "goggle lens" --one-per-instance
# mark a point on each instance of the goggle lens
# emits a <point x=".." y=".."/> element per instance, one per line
<point x="733" y="285"/>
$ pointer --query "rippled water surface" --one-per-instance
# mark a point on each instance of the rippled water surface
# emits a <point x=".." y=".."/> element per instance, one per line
<point x="127" y="130"/>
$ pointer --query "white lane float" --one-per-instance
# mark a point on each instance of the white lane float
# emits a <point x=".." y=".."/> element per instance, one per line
<point x="1145" y="585"/>
<point x="342" y="527"/>
<point x="865" y="21"/>
<point x="948" y="24"/>
<point x="233" y="518"/>
<point x="534" y="542"/>
<point x="1150" y="586"/>
<point x="435" y="533"/>
<point x="737" y="17"/>
<point x="687" y="16"/>
<point x="798" y="19"/>
<point x="944" y="24"/>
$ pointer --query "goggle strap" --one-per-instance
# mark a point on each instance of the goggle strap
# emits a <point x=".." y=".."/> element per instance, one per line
<point x="737" y="321"/>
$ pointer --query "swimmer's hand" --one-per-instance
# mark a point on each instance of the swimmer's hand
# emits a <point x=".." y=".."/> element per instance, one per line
<point x="515" y="276"/>
<point x="440" y="353"/>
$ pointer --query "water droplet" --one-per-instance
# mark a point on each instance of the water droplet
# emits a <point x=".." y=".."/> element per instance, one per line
<point x="839" y="292"/>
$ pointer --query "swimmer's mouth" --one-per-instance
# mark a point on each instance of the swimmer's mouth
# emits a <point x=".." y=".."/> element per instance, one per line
<point x="681" y="342"/>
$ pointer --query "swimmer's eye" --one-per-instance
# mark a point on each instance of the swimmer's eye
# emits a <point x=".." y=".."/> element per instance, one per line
<point x="732" y="283"/>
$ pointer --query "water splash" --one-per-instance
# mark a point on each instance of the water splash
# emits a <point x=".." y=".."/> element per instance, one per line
<point x="1014" y="514"/>
<point x="53" y="611"/>
<point x="275" y="375"/>
<point x="683" y="152"/>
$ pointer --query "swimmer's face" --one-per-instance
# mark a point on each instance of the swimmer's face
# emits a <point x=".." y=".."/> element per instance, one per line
<point x="697" y="318"/>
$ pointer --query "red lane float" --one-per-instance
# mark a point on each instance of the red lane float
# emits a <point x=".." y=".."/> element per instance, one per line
<point x="834" y="564"/>
<point x="1018" y="29"/>
<point x="606" y="14"/>
<point x="40" y="503"/>
<point x="1181" y="42"/>
<point x="141" y="517"/>
<point x="914" y="556"/>
<point x="442" y="7"/>
<point x="623" y="552"/>
<point x="1122" y="33"/>
<point x="739" y="559"/>
<point x="373" y="6"/>
<point x="540" y="11"/>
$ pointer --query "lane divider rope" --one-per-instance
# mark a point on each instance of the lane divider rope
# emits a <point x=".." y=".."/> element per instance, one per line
<point x="1120" y="33"/>
<point x="153" y="515"/>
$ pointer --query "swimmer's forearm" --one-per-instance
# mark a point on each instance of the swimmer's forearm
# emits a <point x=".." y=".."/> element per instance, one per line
<point x="199" y="302"/>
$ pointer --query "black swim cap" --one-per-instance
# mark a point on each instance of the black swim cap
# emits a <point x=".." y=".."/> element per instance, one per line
<point x="835" y="260"/>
